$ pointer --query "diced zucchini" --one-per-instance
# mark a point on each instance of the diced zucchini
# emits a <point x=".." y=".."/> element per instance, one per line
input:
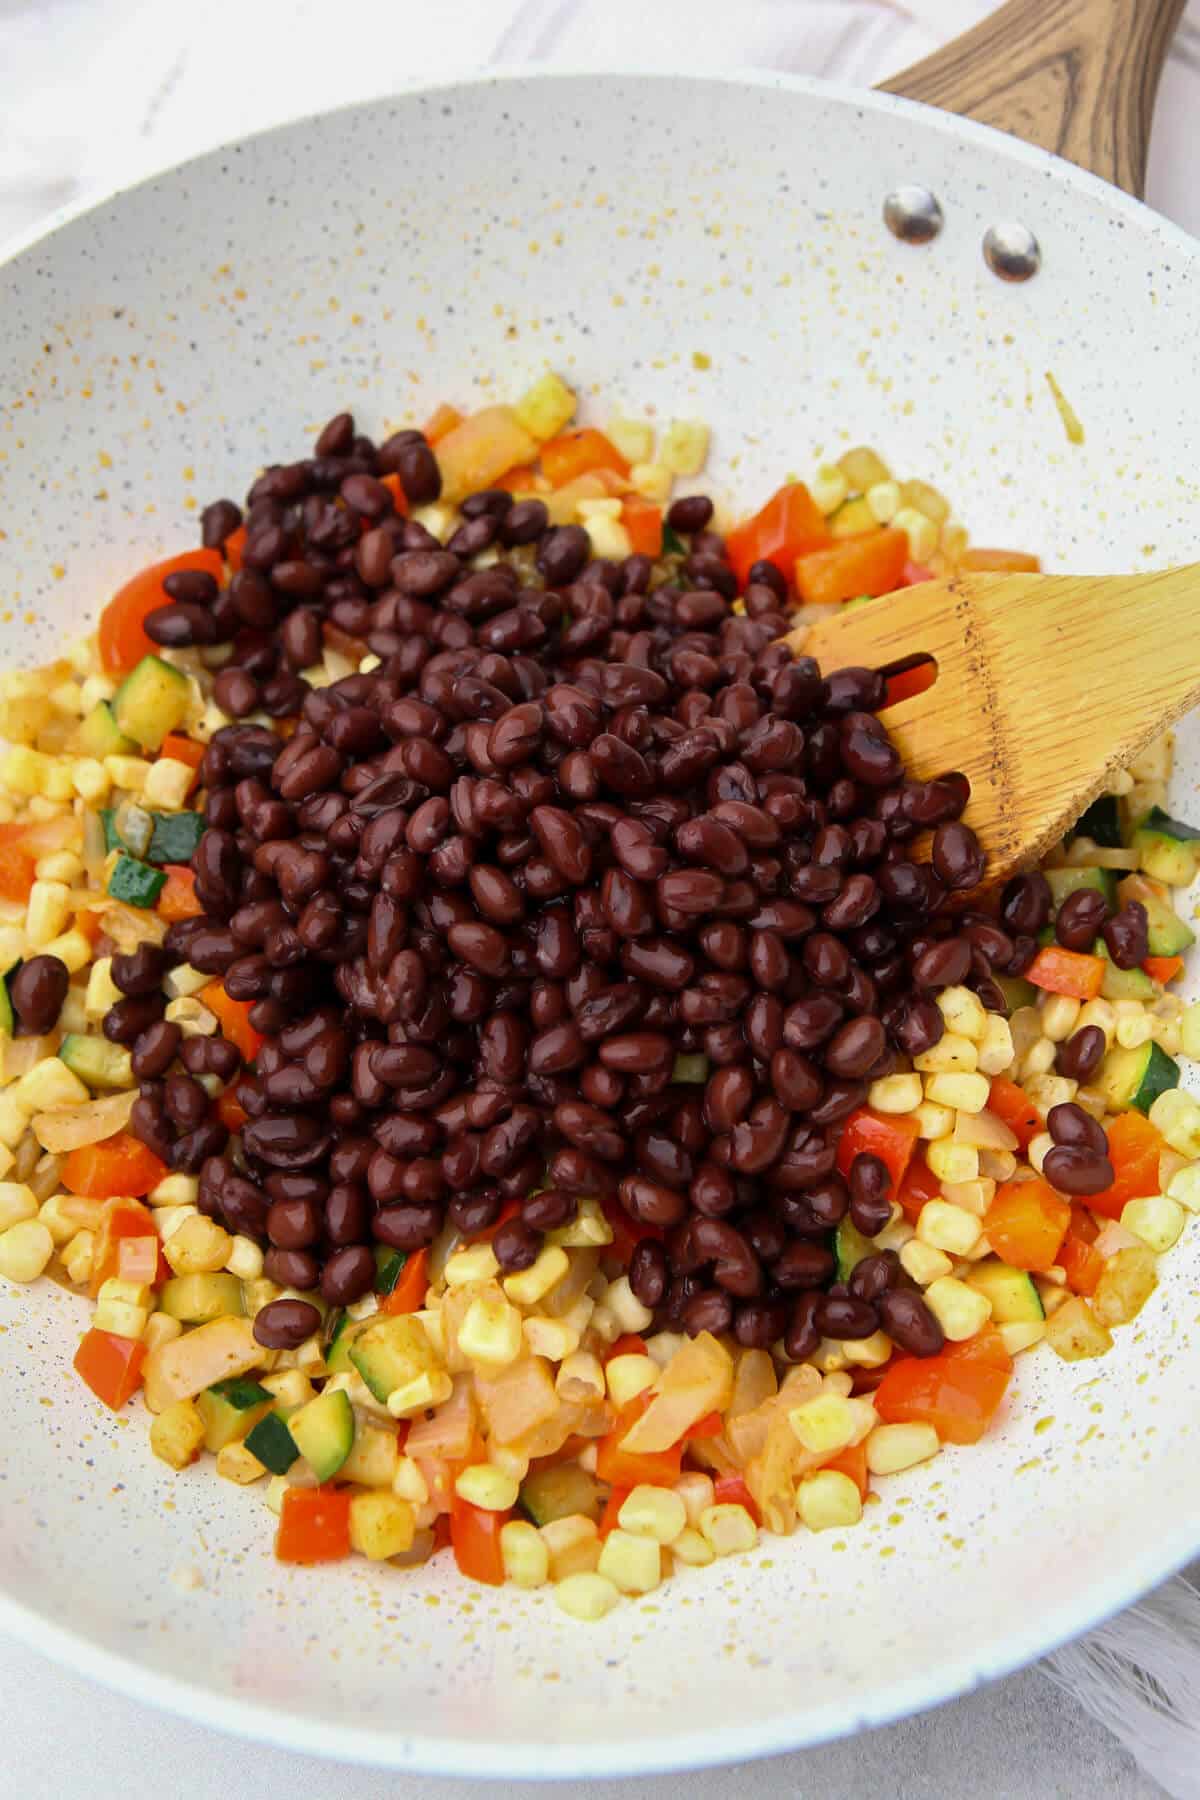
<point x="388" y="1265"/>
<point x="1157" y="820"/>
<point x="152" y="701"/>
<point x="1122" y="984"/>
<point x="230" y="1409"/>
<point x="1166" y="849"/>
<point x="1136" y="1077"/>
<point x="135" y="882"/>
<point x="850" y="1246"/>
<point x="557" y="1493"/>
<point x="1168" y="935"/>
<point x="273" y="1444"/>
<point x="176" y="836"/>
<point x="1017" y="991"/>
<point x="100" y="1064"/>
<point x="1102" y="823"/>
<point x="1070" y="881"/>
<point x="337" y="1352"/>
<point x="1013" y="1296"/>
<point x="197" y="1298"/>
<point x="8" y="1024"/>
<point x="672" y="543"/>
<point x="98" y="735"/>
<point x="323" y="1431"/>
<point x="391" y="1352"/>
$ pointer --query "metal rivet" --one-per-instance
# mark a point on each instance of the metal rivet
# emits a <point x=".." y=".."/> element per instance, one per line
<point x="912" y="214"/>
<point x="1011" y="251"/>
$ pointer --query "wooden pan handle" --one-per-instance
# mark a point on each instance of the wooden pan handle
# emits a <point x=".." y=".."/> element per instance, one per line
<point x="1075" y="76"/>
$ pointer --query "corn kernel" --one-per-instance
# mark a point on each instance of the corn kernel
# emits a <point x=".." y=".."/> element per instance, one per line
<point x="621" y="1300"/>
<point x="1038" y="1059"/>
<point x="534" y="1283"/>
<point x="972" y="1196"/>
<point x="1036" y="1149"/>
<point x="580" y="1377"/>
<point x="891" y="1448"/>
<point x="984" y="1131"/>
<point x="934" y="1121"/>
<point x="1157" y="1220"/>
<point x="77" y="1257"/>
<point x="423" y="1391"/>
<point x="960" y="1310"/>
<point x="921" y="532"/>
<point x="490" y="1332"/>
<point x="895" y="1094"/>
<point x="102" y="991"/>
<point x="633" y="1564"/>
<point x="1100" y="1013"/>
<point x="963" y="1013"/>
<point x="1059" y="1015"/>
<point x="236" y="1463"/>
<point x="167" y="784"/>
<point x="663" y="1346"/>
<point x="51" y="1212"/>
<point x="996" y="1046"/>
<point x="193" y="1019"/>
<point x="652" y="480"/>
<point x="183" y="982"/>
<point x="628" y="1376"/>
<point x="1177" y="1116"/>
<point x="883" y="498"/>
<point x="573" y="1545"/>
<point x="586" y="1596"/>
<point x="476" y="1264"/>
<point x="827" y="1500"/>
<point x="483" y="1485"/>
<point x="684" y="446"/>
<point x="546" y="407"/>
<point x="589" y="1229"/>
<point x="127" y="772"/>
<point x="949" y="1161"/>
<point x="1184" y="1186"/>
<point x="381" y="1525"/>
<point x="1189" y="1041"/>
<point x="869" y="1352"/>
<point x="696" y="1491"/>
<point x="951" y="1055"/>
<point x="653" y="1512"/>
<point x="923" y="1262"/>
<point x="607" y="537"/>
<point x="177" y="1434"/>
<point x="690" y="1548"/>
<point x="409" y="1483"/>
<point x="552" y="1338"/>
<point x="199" y="1247"/>
<point x="1135" y="1030"/>
<point x="824" y="1425"/>
<point x="245" y="1259"/>
<point x="729" y="1528"/>
<point x="829" y="488"/>
<point x="863" y="468"/>
<point x="17" y="1203"/>
<point x="50" y="1085"/>
<point x="47" y="912"/>
<point x="634" y="438"/>
<point x="160" y="1328"/>
<point x="90" y="779"/>
<point x="526" y="1559"/>
<point x="965" y="1093"/>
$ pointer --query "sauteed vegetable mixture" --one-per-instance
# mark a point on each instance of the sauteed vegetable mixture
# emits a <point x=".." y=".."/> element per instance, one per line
<point x="507" y="1052"/>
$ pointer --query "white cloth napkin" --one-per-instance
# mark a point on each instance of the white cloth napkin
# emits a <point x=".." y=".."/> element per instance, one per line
<point x="96" y="93"/>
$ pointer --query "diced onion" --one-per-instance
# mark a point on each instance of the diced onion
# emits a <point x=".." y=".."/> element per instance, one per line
<point x="74" y="1127"/>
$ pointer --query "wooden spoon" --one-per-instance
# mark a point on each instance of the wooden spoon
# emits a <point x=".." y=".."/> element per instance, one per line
<point x="1046" y="686"/>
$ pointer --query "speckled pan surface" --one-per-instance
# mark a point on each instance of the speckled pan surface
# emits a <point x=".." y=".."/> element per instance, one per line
<point x="691" y="248"/>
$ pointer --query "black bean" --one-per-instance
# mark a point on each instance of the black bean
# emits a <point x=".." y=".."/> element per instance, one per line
<point x="909" y="1322"/>
<point x="37" y="991"/>
<point x="285" y="1324"/>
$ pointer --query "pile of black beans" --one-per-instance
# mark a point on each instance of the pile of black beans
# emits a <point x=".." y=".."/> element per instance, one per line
<point x="583" y="820"/>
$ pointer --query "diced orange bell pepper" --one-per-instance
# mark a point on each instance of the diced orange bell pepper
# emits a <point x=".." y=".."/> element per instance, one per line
<point x="1163" y="968"/>
<point x="177" y="896"/>
<point x="627" y="1233"/>
<point x="575" y="453"/>
<point x="395" y="488"/>
<point x="907" y="682"/>
<point x="890" y="1137"/>
<point x="314" y="1525"/>
<point x="510" y="1210"/>
<point x="1013" y="1107"/>
<point x="182" y="749"/>
<point x="123" y="643"/>
<point x="234" y="1019"/>
<point x="731" y="1490"/>
<point x="140" y="1260"/>
<point x="1025" y="1224"/>
<point x="1083" y="1224"/>
<point x="871" y="564"/>
<point x="790" y="524"/>
<point x="1066" y="972"/>
<point x="441" y="421"/>
<point x="230" y="1110"/>
<point x="852" y="1462"/>
<point x="412" y="1284"/>
<point x="644" y="523"/>
<point x="17" y="873"/>
<point x="1083" y="1264"/>
<point x="475" y="1536"/>
<point x="958" y="1391"/>
<point x="233" y="547"/>
<point x="118" y="1166"/>
<point x="120" y="1219"/>
<point x="624" y="1468"/>
<point x="1134" y="1147"/>
<point x="1016" y="562"/>
<point x="628" y="1344"/>
<point x="919" y="1185"/>
<point x="110" y="1365"/>
<point x="517" y="480"/>
<point x="710" y="1426"/>
<point x="609" y="1518"/>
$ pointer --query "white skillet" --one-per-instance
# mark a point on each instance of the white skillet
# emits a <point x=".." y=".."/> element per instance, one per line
<point x="449" y="244"/>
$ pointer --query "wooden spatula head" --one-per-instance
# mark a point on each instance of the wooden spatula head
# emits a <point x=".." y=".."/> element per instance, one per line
<point x="1046" y="685"/>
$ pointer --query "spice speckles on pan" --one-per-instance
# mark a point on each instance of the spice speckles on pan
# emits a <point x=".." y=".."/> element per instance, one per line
<point x="190" y="326"/>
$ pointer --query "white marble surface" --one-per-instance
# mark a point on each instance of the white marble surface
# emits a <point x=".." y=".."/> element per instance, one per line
<point x="94" y="93"/>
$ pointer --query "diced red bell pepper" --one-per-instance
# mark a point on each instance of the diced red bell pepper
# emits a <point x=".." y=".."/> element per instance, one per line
<point x="110" y="1365"/>
<point x="918" y="1186"/>
<point x="412" y="1284"/>
<point x="441" y="421"/>
<point x="1163" y="968"/>
<point x="1066" y="972"/>
<point x="628" y="1344"/>
<point x="233" y="548"/>
<point x="909" y="682"/>
<point x="1025" y="1224"/>
<point x="123" y="642"/>
<point x="1082" y="1262"/>
<point x="890" y="1137"/>
<point x="517" y="480"/>
<point x="17" y="873"/>
<point x="871" y="564"/>
<point x="914" y="573"/>
<point x="230" y="1110"/>
<point x="1013" y="1107"/>
<point x="627" y="1232"/>
<point x="395" y="488"/>
<point x="644" y="523"/>
<point x="710" y="1426"/>
<point x="118" y="1166"/>
<point x="576" y="453"/>
<point x="475" y="1536"/>
<point x="731" y="1490"/>
<point x="120" y="1219"/>
<point x="182" y="749"/>
<point x="852" y="1462"/>
<point x="624" y="1468"/>
<point x="234" y="1019"/>
<point x="958" y="1392"/>
<point x="314" y="1525"/>
<point x="609" y="1518"/>
<point x="177" y="896"/>
<point x="1134" y="1147"/>
<point x="790" y="524"/>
